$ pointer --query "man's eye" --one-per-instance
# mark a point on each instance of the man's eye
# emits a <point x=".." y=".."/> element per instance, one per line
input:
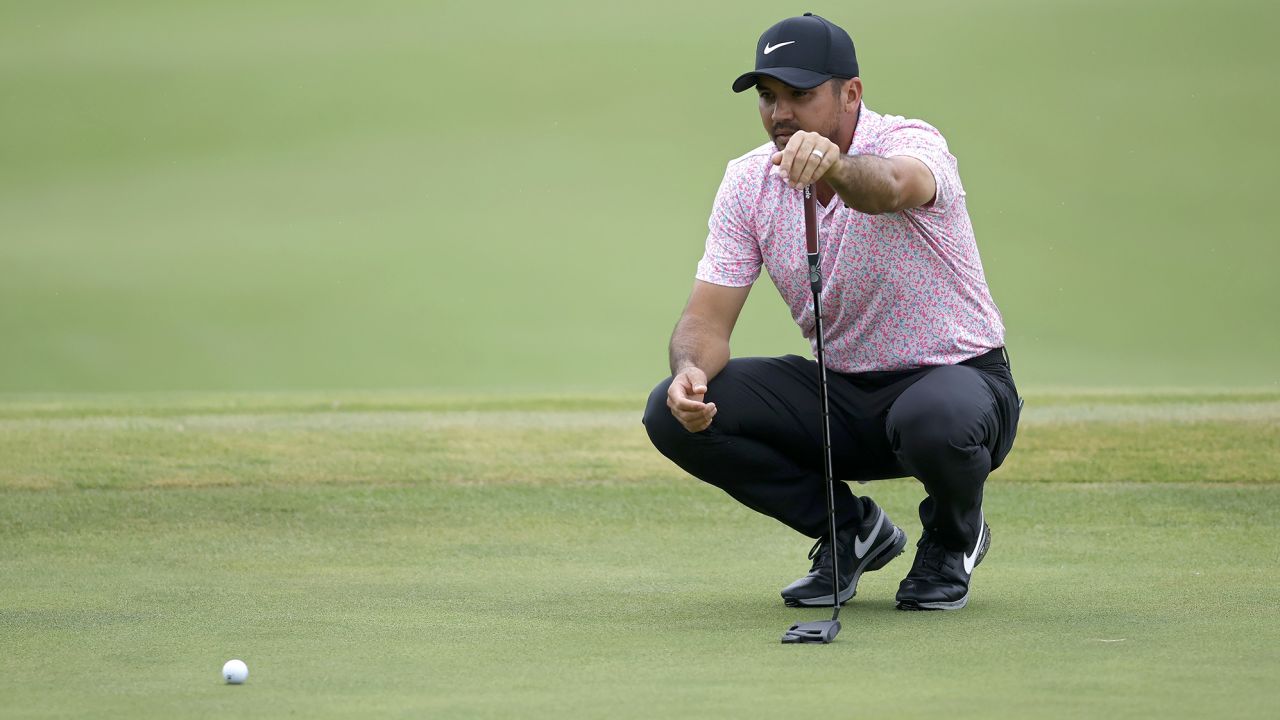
<point x="799" y="93"/>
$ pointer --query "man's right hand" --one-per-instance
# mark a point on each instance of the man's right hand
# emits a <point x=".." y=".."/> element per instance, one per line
<point x="684" y="397"/>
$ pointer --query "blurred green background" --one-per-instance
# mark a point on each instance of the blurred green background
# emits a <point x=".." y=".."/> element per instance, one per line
<point x="484" y="197"/>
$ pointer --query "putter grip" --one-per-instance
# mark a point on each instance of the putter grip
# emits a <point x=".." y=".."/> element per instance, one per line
<point x="811" y="241"/>
<point x="810" y="222"/>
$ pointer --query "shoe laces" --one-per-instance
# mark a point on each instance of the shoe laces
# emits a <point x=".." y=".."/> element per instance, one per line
<point x="932" y="556"/>
<point x="818" y="553"/>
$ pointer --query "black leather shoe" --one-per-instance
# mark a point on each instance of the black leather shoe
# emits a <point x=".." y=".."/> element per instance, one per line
<point x="869" y="545"/>
<point x="939" y="578"/>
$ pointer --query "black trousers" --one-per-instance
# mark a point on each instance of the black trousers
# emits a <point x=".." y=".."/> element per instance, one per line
<point x="948" y="426"/>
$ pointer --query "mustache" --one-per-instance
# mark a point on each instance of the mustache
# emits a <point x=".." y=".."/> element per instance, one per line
<point x="784" y="127"/>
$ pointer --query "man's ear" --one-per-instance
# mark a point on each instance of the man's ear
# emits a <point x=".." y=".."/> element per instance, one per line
<point x="853" y="94"/>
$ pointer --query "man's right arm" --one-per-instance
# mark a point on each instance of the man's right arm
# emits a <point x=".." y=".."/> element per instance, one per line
<point x="700" y="350"/>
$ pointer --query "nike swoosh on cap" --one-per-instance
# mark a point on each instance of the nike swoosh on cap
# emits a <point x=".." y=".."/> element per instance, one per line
<point x="968" y="559"/>
<point x="861" y="546"/>
<point x="770" y="48"/>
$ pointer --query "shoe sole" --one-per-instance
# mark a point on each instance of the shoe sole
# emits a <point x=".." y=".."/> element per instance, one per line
<point x="913" y="606"/>
<point x="876" y="559"/>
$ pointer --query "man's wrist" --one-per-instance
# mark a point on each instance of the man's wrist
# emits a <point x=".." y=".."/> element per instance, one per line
<point x="835" y="175"/>
<point x="685" y="366"/>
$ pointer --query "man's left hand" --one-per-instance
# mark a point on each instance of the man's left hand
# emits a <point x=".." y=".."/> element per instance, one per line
<point x="806" y="158"/>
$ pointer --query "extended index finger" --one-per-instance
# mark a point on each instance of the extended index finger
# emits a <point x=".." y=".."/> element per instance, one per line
<point x="789" y="154"/>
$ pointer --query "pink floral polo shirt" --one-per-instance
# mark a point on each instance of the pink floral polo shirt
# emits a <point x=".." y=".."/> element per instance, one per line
<point x="900" y="290"/>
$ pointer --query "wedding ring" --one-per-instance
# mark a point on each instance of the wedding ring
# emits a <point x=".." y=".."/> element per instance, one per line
<point x="817" y="152"/>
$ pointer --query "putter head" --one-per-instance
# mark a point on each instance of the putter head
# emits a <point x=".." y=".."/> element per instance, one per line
<point x="818" y="631"/>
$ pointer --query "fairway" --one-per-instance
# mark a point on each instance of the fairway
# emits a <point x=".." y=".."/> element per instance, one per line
<point x="280" y="196"/>
<point x="412" y="555"/>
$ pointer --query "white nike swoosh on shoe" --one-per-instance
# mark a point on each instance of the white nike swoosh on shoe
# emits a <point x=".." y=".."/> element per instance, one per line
<point x="861" y="546"/>
<point x="770" y="48"/>
<point x="969" y="559"/>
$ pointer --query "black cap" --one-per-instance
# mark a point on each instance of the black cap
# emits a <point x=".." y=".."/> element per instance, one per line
<point x="803" y="52"/>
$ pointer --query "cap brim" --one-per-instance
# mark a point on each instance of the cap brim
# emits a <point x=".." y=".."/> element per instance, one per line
<point x="795" y="77"/>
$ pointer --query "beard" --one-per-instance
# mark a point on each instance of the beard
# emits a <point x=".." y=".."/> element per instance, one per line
<point x="788" y="128"/>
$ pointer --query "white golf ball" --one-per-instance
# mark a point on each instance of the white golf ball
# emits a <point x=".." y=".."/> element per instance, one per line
<point x="235" y="672"/>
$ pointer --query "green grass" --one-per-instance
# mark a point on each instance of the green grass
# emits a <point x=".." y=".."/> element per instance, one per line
<point x="285" y="196"/>
<point x="444" y="557"/>
<point x="227" y="229"/>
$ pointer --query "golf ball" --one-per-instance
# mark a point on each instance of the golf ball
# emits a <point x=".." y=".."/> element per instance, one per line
<point x="235" y="672"/>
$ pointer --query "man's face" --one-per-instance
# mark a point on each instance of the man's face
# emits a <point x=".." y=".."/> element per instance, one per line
<point x="785" y="109"/>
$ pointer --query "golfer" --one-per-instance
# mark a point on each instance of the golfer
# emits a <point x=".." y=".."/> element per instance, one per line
<point x="919" y="380"/>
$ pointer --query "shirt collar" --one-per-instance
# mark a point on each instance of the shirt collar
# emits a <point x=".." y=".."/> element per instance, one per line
<point x="865" y="134"/>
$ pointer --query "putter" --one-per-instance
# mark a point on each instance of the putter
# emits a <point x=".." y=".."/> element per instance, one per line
<point x="820" y="631"/>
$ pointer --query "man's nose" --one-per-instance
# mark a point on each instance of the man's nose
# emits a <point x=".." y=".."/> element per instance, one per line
<point x="782" y="111"/>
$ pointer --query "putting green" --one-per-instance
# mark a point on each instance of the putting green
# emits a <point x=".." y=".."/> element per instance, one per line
<point x="430" y="558"/>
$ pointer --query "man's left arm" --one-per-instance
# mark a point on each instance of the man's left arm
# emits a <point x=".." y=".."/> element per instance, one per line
<point x="867" y="183"/>
<point x="875" y="185"/>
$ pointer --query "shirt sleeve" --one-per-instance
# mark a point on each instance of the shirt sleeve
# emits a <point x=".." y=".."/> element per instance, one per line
<point x="923" y="142"/>
<point x="732" y="255"/>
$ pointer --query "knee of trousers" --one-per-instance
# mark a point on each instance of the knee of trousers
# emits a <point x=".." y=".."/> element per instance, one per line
<point x="936" y="439"/>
